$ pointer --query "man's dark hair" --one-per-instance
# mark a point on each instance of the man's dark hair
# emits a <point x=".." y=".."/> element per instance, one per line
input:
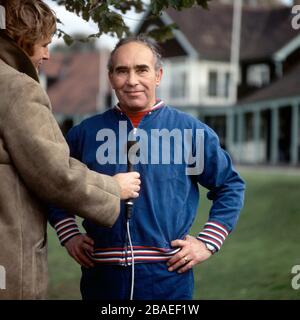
<point x="139" y="39"/>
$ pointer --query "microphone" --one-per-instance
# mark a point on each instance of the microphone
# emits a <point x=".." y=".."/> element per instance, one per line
<point x="129" y="202"/>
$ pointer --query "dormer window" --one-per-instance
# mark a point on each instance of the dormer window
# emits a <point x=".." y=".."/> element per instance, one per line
<point x="258" y="75"/>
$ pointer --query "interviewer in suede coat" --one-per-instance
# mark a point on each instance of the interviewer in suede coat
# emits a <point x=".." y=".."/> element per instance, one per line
<point x="35" y="166"/>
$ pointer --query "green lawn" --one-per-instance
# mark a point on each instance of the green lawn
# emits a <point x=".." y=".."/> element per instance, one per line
<point x="255" y="261"/>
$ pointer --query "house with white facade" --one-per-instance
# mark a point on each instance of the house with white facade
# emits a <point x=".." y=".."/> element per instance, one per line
<point x="258" y="122"/>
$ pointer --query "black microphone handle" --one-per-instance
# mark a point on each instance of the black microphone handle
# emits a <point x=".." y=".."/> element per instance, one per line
<point x="129" y="166"/>
<point x="129" y="202"/>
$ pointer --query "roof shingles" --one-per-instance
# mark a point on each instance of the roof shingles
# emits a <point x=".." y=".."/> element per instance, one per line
<point x="264" y="30"/>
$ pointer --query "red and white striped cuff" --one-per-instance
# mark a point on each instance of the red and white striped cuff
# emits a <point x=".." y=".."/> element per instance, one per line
<point x="214" y="234"/>
<point x="66" y="229"/>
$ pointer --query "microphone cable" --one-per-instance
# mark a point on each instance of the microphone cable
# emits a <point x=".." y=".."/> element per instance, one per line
<point x="132" y="261"/>
<point x="129" y="206"/>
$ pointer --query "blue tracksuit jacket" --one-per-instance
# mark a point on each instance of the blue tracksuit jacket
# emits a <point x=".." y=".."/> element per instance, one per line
<point x="168" y="200"/>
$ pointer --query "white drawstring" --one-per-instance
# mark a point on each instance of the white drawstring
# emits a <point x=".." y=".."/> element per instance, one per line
<point x="132" y="262"/>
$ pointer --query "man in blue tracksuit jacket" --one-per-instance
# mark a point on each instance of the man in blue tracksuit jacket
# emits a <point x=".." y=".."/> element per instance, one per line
<point x="149" y="255"/>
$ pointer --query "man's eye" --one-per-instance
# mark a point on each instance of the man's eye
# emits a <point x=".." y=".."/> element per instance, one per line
<point x="121" y="71"/>
<point x="142" y="70"/>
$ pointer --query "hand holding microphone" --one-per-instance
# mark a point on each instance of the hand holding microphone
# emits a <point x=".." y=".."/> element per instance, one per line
<point x="130" y="155"/>
<point x="129" y="184"/>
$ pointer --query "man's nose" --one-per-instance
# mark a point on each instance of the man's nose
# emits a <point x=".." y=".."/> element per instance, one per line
<point x="132" y="78"/>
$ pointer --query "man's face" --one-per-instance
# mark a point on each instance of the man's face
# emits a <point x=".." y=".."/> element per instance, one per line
<point x="40" y="53"/>
<point x="134" y="77"/>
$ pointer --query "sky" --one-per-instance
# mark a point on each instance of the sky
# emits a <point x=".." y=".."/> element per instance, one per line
<point x="74" y="24"/>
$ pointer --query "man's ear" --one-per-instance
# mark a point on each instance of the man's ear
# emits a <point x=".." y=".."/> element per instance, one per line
<point x="159" y="74"/>
<point x="110" y="80"/>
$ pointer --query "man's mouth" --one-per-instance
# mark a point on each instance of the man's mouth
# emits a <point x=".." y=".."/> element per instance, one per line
<point x="133" y="93"/>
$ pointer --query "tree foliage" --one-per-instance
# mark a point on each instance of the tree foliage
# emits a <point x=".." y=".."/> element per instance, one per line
<point x="109" y="14"/>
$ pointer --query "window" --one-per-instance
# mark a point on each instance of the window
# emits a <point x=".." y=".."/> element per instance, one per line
<point x="258" y="75"/>
<point x="219" y="84"/>
<point x="178" y="84"/>
<point x="213" y="84"/>
<point x="227" y="85"/>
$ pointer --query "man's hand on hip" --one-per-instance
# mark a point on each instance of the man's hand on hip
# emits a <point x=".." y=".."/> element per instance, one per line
<point x="193" y="251"/>
<point x="129" y="183"/>
<point x="80" y="248"/>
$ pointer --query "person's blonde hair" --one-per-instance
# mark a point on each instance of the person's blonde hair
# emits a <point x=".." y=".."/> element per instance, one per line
<point x="29" y="22"/>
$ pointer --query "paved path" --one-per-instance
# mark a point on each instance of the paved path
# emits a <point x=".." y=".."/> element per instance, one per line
<point x="280" y="169"/>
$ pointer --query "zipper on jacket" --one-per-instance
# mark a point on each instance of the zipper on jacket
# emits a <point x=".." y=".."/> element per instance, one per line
<point x="126" y="244"/>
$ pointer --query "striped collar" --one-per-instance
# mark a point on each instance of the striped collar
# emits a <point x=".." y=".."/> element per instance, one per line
<point x="159" y="103"/>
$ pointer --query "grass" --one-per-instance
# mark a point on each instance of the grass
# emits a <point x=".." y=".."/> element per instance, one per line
<point x="64" y="272"/>
<point x="256" y="260"/>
